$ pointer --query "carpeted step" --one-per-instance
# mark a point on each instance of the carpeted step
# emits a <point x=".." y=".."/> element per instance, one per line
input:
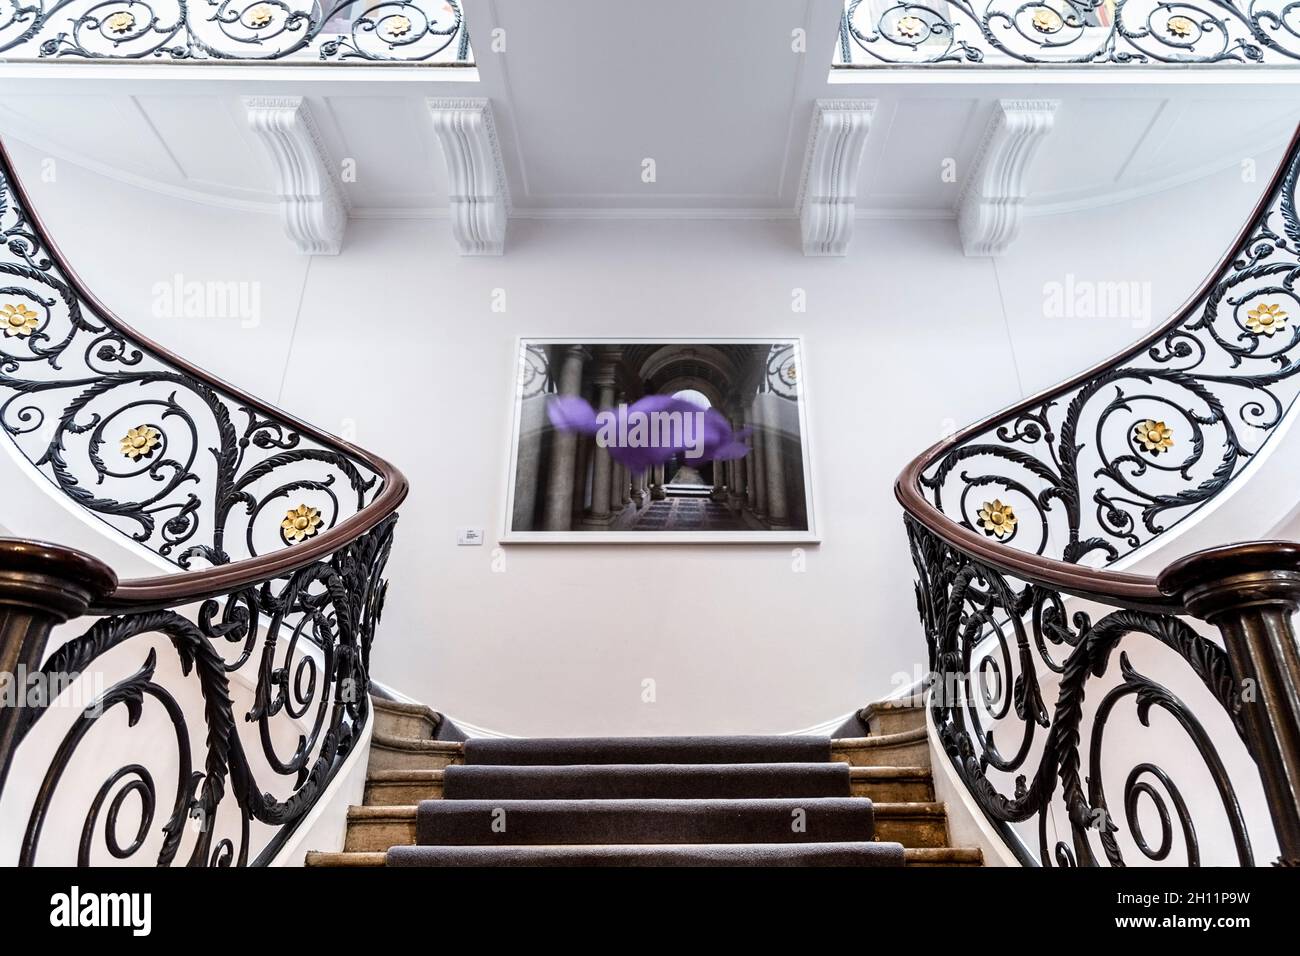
<point x="533" y="822"/>
<point x="696" y="854"/>
<point x="646" y="781"/>
<point x="554" y="751"/>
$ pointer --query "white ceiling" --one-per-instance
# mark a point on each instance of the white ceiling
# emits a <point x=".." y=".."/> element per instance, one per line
<point x="587" y="89"/>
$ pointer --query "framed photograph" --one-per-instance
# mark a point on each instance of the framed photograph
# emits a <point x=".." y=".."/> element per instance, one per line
<point x="660" y="440"/>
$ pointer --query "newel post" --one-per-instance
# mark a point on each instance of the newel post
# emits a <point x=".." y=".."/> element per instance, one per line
<point x="41" y="586"/>
<point x="1250" y="592"/>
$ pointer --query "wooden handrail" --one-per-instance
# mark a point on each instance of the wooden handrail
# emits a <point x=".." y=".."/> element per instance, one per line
<point x="1131" y="590"/>
<point x="171" y="590"/>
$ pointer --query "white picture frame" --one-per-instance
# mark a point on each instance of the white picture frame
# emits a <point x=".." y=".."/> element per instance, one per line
<point x="752" y="530"/>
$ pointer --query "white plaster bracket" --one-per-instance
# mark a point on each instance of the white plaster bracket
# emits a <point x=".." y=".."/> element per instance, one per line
<point x="313" y="206"/>
<point x="992" y="198"/>
<point x="478" y="196"/>
<point x="828" y="190"/>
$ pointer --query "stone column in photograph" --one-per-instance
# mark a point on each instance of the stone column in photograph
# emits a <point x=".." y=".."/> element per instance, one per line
<point x="530" y="387"/>
<point x="736" y="481"/>
<point x="639" y="494"/>
<point x="581" y="472"/>
<point x="616" y="475"/>
<point x="759" y="470"/>
<point x="719" y="492"/>
<point x="619" y="494"/>
<point x="561" y="472"/>
<point x="657" y="492"/>
<point x="774" y="460"/>
<point x="601" y="473"/>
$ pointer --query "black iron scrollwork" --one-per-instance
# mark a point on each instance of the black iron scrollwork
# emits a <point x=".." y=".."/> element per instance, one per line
<point x="373" y="31"/>
<point x="783" y="371"/>
<point x="1097" y="469"/>
<point x="992" y="642"/>
<point x="534" y="372"/>
<point x="1071" y="32"/>
<point x="191" y="473"/>
<point x="304" y="642"/>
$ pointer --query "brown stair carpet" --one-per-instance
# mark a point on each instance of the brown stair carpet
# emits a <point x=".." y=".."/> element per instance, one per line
<point x="652" y="801"/>
<point x="646" y="781"/>
<point x="563" y="822"/>
<point x="700" y="854"/>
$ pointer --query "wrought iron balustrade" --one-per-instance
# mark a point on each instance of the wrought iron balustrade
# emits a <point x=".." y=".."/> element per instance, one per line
<point x="243" y="675"/>
<point x="412" y="32"/>
<point x="876" y="33"/>
<point x="1015" y="525"/>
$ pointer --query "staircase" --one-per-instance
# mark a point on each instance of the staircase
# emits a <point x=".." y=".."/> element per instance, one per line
<point x="648" y="801"/>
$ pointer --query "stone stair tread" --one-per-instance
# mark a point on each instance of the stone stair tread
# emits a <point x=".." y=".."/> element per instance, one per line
<point x="406" y="707"/>
<point x="879" y="740"/>
<point x="927" y="808"/>
<point x="382" y="812"/>
<point x="889" y="773"/>
<point x="345" y="858"/>
<point x="417" y="744"/>
<point x="405" y="776"/>
<point x="943" y="856"/>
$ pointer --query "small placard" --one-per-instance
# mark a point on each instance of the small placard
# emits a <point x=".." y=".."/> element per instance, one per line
<point x="469" y="537"/>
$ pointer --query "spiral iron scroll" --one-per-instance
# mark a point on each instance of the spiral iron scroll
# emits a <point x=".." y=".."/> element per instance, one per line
<point x="990" y="641"/>
<point x="1068" y="32"/>
<point x="370" y="31"/>
<point x="183" y="468"/>
<point x="1097" y="469"/>
<point x="305" y="638"/>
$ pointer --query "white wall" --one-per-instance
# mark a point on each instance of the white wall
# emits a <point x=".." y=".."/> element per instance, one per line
<point x="394" y="344"/>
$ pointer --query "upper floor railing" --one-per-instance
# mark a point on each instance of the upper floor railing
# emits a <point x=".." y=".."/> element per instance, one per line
<point x="876" y="33"/>
<point x="244" y="674"/>
<point x="410" y="32"/>
<point x="1014" y="523"/>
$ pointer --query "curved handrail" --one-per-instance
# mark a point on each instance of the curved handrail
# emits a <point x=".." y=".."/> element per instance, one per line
<point x="286" y="610"/>
<point x="194" y="585"/>
<point x="1133" y="590"/>
<point x="994" y="608"/>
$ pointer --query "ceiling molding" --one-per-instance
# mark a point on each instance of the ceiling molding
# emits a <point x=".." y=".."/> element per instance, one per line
<point x="313" y="207"/>
<point x="993" y="194"/>
<point x="828" y="188"/>
<point x="399" y="191"/>
<point x="478" y="194"/>
<point x="42" y="143"/>
<point x="1101" y="198"/>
